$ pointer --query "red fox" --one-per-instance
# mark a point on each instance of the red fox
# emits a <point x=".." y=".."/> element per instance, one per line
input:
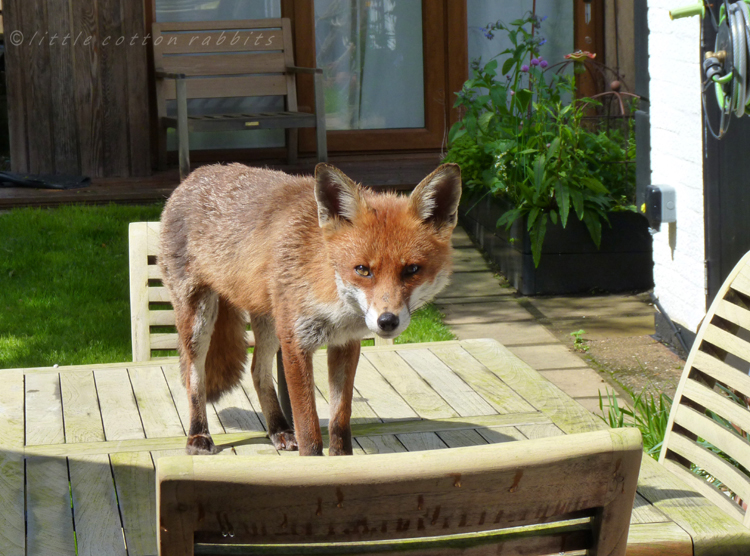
<point x="312" y="261"/>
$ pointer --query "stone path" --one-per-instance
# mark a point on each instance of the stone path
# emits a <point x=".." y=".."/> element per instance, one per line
<point x="481" y="304"/>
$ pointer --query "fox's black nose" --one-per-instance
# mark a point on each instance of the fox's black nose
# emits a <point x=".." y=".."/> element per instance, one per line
<point x="388" y="322"/>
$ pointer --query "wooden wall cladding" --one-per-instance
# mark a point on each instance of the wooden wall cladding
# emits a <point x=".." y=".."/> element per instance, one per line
<point x="77" y="80"/>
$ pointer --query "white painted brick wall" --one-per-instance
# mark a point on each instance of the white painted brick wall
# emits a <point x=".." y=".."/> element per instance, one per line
<point x="677" y="160"/>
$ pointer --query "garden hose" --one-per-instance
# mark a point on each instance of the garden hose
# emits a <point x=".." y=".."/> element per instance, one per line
<point x="726" y="67"/>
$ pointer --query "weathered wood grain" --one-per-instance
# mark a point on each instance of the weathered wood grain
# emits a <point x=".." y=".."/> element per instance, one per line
<point x="361" y="410"/>
<point x="453" y="389"/>
<point x="499" y="395"/>
<point x="138" y="118"/>
<point x="83" y="422"/>
<point x="97" y="519"/>
<point x="61" y="99"/>
<point x="12" y="522"/>
<point x="420" y="441"/>
<point x="560" y="408"/>
<point x="119" y="409"/>
<point x="138" y="242"/>
<point x="49" y="520"/>
<point x="88" y="95"/>
<point x="15" y="78"/>
<point x="379" y="394"/>
<point x="380" y="444"/>
<point x="155" y="404"/>
<point x="406" y="381"/>
<point x="44" y="419"/>
<point x="134" y="479"/>
<point x="664" y="539"/>
<point x="456" y="439"/>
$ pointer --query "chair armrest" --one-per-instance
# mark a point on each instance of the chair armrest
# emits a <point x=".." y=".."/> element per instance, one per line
<point x="168" y="75"/>
<point x="297" y="69"/>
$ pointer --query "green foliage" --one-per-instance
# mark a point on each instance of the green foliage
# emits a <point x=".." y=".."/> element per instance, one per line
<point x="520" y="138"/>
<point x="579" y="344"/>
<point x="648" y="413"/>
<point x="64" y="287"/>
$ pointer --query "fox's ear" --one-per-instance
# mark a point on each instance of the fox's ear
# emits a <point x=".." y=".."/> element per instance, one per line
<point x="338" y="196"/>
<point x="436" y="198"/>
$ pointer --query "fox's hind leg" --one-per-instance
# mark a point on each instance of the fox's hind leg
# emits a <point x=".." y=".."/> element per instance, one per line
<point x="266" y="346"/>
<point x="195" y="324"/>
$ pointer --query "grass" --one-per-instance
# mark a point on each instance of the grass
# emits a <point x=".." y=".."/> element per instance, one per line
<point x="64" y="290"/>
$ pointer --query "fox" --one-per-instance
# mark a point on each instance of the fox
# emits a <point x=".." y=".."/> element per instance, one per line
<point x="311" y="261"/>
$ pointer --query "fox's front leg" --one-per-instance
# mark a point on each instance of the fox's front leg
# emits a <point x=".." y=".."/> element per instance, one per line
<point x="301" y="385"/>
<point x="342" y="365"/>
<point x="195" y="324"/>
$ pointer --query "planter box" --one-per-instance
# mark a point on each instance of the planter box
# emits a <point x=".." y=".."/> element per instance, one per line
<point x="570" y="261"/>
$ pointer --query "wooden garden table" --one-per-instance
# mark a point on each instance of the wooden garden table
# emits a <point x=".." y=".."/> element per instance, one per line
<point x="78" y="444"/>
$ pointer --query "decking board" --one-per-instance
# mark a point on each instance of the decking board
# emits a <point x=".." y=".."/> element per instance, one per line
<point x="155" y="403"/>
<point x="44" y="416"/>
<point x="82" y="418"/>
<point x="49" y="520"/>
<point x="12" y="522"/>
<point x="119" y="409"/>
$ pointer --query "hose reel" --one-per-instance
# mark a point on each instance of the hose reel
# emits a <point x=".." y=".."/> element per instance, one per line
<point x="726" y="67"/>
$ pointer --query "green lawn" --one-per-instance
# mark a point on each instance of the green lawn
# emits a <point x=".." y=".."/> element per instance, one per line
<point x="64" y="295"/>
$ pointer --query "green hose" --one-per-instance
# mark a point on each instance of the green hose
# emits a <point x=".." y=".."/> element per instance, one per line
<point x="688" y="11"/>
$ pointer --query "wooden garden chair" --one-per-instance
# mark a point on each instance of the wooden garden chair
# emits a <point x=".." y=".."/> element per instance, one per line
<point x="230" y="59"/>
<point x="544" y="496"/>
<point x="709" y="422"/>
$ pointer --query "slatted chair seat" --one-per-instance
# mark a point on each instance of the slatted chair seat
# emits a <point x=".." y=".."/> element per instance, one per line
<point x="240" y="122"/>
<point x="231" y="60"/>
<point x="706" y="443"/>
<point x="544" y="496"/>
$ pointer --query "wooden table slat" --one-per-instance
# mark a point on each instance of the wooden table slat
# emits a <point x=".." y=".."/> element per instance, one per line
<point x="380" y="395"/>
<point x="44" y="416"/>
<point x="382" y="444"/>
<point x="97" y="518"/>
<point x="420" y="441"/>
<point x="119" y="410"/>
<point x="361" y="410"/>
<point x="49" y="520"/>
<point x="155" y="403"/>
<point x="12" y="522"/>
<point x="406" y="381"/>
<point x="498" y="394"/>
<point x="136" y="492"/>
<point x="83" y="421"/>
<point x="467" y="437"/>
<point x="446" y="383"/>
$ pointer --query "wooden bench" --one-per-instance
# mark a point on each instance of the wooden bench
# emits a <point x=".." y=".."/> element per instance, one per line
<point x="581" y="487"/>
<point x="710" y="421"/>
<point x="230" y="59"/>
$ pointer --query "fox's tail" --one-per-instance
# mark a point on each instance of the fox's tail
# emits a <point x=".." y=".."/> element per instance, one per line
<point x="227" y="351"/>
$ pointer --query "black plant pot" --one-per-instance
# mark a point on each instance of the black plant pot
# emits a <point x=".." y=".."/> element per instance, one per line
<point x="570" y="261"/>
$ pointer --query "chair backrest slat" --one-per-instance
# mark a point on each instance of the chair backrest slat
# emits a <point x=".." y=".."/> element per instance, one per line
<point x="228" y="87"/>
<point x="226" y="59"/>
<point x="709" y="424"/>
<point x="396" y="497"/>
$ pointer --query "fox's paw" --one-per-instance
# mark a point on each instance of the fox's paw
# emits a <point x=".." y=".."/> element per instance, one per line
<point x="284" y="440"/>
<point x="201" y="445"/>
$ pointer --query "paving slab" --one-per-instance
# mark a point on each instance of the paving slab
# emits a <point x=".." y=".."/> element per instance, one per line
<point x="608" y="327"/>
<point x="592" y="404"/>
<point x="583" y="382"/>
<point x="445" y="301"/>
<point x="481" y="313"/>
<point x="507" y="333"/>
<point x="600" y="306"/>
<point x="469" y="260"/>
<point x="548" y="357"/>
<point x="474" y="284"/>
<point x="461" y="239"/>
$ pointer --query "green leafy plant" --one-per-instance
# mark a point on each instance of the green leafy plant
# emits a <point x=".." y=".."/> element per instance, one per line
<point x="522" y="138"/>
<point x="579" y="344"/>
<point x="649" y="413"/>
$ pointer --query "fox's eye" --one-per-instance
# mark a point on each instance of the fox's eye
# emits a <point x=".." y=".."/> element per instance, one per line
<point x="362" y="270"/>
<point x="411" y="270"/>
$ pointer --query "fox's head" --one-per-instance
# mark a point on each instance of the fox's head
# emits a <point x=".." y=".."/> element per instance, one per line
<point x="391" y="254"/>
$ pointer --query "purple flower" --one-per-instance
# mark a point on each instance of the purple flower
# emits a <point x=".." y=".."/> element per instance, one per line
<point x="487" y="32"/>
<point x="542" y="41"/>
<point x="544" y="63"/>
<point x="524" y="68"/>
<point x="534" y="62"/>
